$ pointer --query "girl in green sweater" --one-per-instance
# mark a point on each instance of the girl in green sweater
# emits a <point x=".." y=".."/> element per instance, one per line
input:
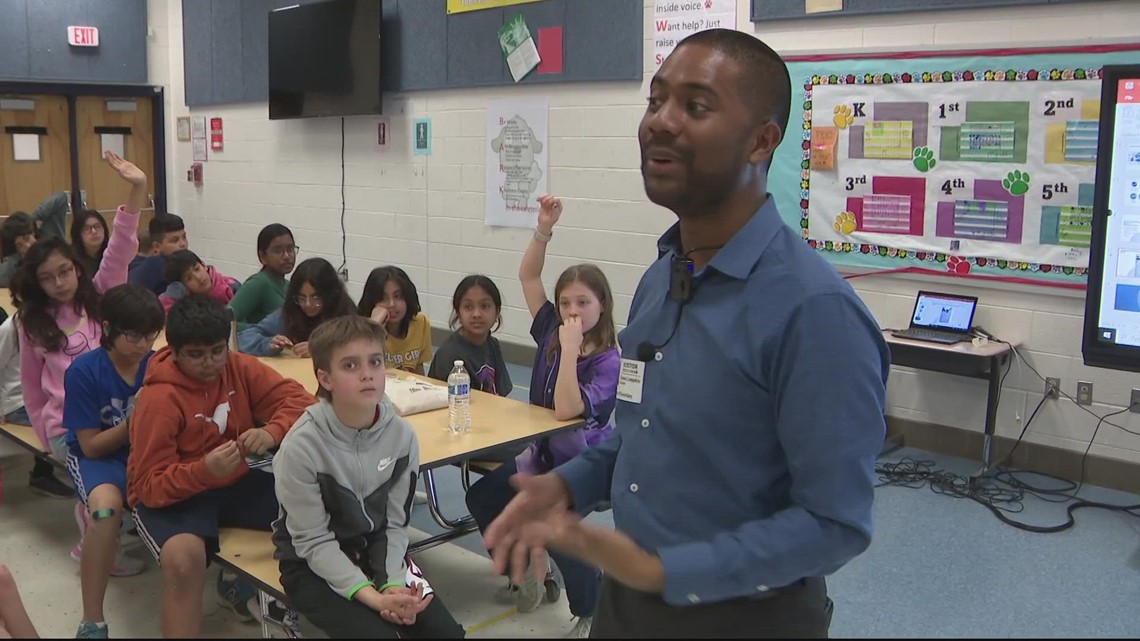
<point x="264" y="292"/>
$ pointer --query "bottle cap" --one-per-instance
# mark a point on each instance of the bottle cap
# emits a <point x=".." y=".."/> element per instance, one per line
<point x="458" y="363"/>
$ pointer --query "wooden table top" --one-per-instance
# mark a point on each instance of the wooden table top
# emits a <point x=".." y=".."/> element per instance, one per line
<point x="495" y="421"/>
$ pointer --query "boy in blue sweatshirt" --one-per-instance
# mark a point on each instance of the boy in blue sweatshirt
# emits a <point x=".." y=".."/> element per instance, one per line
<point x="342" y="538"/>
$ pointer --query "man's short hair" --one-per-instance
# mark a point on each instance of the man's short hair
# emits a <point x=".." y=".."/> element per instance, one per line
<point x="764" y="83"/>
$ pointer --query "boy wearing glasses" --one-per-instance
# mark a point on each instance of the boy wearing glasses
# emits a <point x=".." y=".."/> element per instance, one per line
<point x="100" y="390"/>
<point x="187" y="476"/>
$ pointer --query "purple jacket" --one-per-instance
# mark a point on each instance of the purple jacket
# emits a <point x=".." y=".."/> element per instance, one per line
<point x="597" y="380"/>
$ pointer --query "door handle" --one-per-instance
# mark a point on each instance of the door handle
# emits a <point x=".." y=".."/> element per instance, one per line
<point x="83" y="198"/>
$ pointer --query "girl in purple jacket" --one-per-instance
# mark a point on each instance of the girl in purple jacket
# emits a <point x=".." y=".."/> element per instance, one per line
<point x="580" y="330"/>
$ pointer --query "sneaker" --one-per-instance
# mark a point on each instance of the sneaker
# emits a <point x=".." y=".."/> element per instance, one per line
<point x="421" y="498"/>
<point x="581" y="628"/>
<point x="506" y="595"/>
<point x="237" y="595"/>
<point x="529" y="596"/>
<point x="50" y="486"/>
<point x="124" y="565"/>
<point x="91" y="630"/>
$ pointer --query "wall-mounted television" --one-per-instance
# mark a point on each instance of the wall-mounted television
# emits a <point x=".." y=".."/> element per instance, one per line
<point x="324" y="59"/>
<point x="1112" y="305"/>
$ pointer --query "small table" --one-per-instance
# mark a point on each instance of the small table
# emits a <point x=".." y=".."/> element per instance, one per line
<point x="988" y="362"/>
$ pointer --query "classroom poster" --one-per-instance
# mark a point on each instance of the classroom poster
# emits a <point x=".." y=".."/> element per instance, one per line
<point x="676" y="19"/>
<point x="1010" y="133"/>
<point x="986" y="168"/>
<point x="517" y="161"/>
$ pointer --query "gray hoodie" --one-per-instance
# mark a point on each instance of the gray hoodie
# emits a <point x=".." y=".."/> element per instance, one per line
<point x="346" y="496"/>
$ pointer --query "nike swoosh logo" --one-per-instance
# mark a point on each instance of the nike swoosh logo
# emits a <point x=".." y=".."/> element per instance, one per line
<point x="384" y="464"/>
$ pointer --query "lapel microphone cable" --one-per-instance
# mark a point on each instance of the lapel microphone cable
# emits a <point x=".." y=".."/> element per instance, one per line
<point x="681" y="290"/>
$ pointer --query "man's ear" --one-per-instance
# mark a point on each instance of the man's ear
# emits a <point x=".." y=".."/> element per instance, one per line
<point x="764" y="142"/>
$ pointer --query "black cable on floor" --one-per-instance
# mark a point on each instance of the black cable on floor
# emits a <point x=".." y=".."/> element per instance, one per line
<point x="1004" y="493"/>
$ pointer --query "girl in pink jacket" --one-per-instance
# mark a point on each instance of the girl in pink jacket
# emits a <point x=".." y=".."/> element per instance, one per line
<point x="57" y="304"/>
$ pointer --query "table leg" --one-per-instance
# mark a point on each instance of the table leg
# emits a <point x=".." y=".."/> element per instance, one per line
<point x="263" y="603"/>
<point x="992" y="398"/>
<point x="434" y="509"/>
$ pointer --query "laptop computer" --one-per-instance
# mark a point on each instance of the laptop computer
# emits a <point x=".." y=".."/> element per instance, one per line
<point x="941" y="318"/>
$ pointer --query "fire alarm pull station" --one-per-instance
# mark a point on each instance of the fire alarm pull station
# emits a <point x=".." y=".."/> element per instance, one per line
<point x="194" y="174"/>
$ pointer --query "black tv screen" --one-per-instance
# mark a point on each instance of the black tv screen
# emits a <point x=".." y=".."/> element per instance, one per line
<point x="1112" y="304"/>
<point x="324" y="59"/>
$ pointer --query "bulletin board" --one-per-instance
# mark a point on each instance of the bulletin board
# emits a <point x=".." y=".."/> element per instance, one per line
<point x="226" y="50"/>
<point x="978" y="164"/>
<point x="765" y="10"/>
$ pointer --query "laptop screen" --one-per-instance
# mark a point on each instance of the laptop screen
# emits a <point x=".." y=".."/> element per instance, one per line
<point x="944" y="312"/>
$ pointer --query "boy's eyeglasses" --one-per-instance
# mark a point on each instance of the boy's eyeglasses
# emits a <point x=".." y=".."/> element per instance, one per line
<point x="138" y="337"/>
<point x="314" y="301"/>
<point x="204" y="356"/>
<point x="281" y="251"/>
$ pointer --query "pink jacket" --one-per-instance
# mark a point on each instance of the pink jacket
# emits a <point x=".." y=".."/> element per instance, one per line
<point x="222" y="289"/>
<point x="41" y="372"/>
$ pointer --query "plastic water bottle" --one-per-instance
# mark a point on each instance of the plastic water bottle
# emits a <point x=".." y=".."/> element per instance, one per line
<point x="458" y="399"/>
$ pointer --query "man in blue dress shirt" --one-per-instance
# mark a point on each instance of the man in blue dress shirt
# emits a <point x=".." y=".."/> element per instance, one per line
<point x="750" y="406"/>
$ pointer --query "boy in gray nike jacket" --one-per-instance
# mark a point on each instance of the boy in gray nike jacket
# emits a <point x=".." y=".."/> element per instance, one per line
<point x="345" y="477"/>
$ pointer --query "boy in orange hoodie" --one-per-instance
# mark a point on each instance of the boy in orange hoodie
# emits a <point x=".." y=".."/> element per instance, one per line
<point x="187" y="476"/>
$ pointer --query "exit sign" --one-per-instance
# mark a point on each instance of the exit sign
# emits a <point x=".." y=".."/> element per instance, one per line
<point x="83" y="36"/>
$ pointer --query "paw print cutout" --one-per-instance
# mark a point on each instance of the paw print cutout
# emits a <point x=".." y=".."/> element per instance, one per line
<point x="845" y="223"/>
<point x="843" y="116"/>
<point x="1016" y="182"/>
<point x="958" y="266"/>
<point x="923" y="159"/>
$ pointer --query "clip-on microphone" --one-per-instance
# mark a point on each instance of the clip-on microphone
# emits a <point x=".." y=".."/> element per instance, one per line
<point x="681" y="290"/>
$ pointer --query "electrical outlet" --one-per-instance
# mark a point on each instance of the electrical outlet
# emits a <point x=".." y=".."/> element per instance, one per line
<point x="344" y="274"/>
<point x="1134" y="403"/>
<point x="1052" y="387"/>
<point x="1084" y="393"/>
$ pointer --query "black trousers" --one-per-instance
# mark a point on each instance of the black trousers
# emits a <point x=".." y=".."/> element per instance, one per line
<point x="800" y="611"/>
<point x="340" y="618"/>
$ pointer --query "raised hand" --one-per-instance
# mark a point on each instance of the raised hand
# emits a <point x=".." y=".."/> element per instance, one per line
<point x="126" y="169"/>
<point x="549" y="211"/>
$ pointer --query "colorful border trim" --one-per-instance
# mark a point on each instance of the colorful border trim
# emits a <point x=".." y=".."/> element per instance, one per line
<point x="954" y="265"/>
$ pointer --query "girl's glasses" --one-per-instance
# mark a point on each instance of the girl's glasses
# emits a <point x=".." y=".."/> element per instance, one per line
<point x="281" y="251"/>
